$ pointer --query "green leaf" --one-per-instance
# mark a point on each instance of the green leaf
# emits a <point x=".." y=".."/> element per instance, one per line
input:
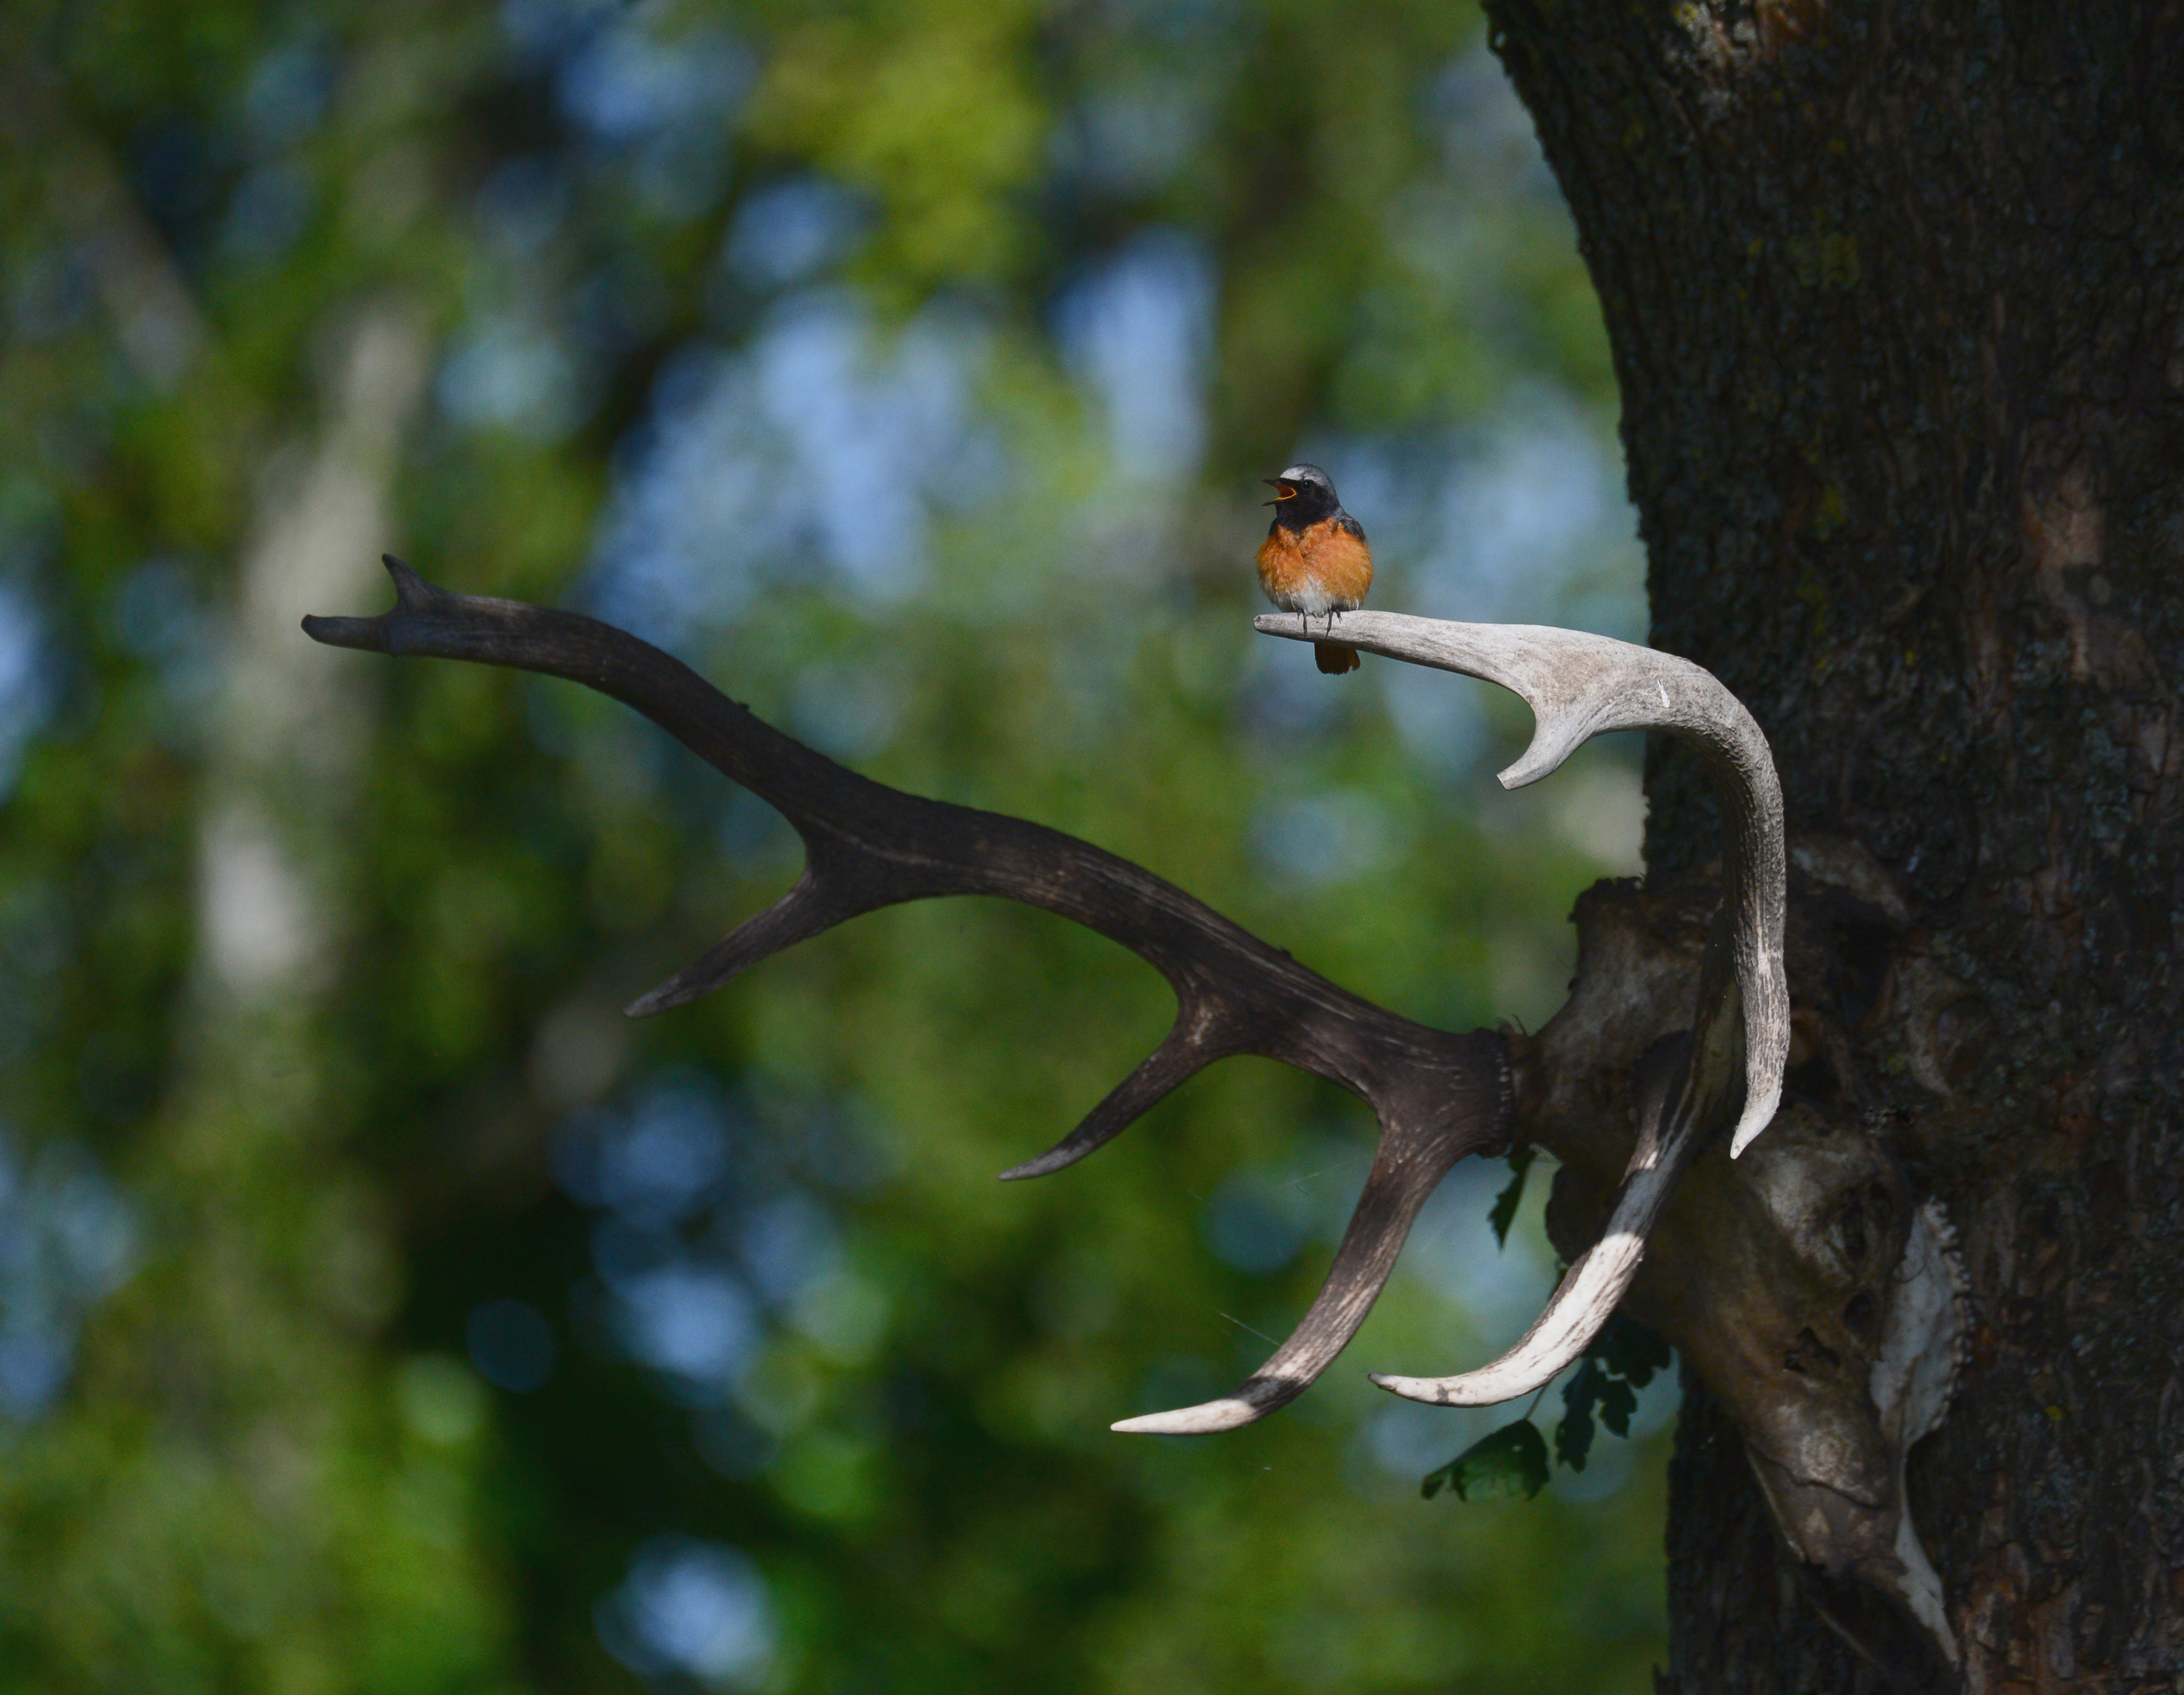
<point x="1622" y="1359"/>
<point x="1573" y="1435"/>
<point x="1507" y="1463"/>
<point x="1504" y="1212"/>
<point x="1617" y="1402"/>
<point x="1630" y="1351"/>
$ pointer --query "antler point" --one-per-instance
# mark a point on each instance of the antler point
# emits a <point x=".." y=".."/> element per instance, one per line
<point x="1227" y="1413"/>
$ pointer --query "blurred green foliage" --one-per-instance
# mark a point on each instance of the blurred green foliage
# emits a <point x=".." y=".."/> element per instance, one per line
<point x="378" y="1312"/>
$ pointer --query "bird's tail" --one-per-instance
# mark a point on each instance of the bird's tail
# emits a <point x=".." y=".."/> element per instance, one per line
<point x="1333" y="658"/>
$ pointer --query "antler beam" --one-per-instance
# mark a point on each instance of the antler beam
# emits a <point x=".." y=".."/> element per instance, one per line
<point x="1438" y="1096"/>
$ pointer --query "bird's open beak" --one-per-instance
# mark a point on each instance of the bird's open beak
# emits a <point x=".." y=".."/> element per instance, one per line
<point x="1282" y="490"/>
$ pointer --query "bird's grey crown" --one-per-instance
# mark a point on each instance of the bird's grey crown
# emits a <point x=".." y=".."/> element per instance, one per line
<point x="1307" y="473"/>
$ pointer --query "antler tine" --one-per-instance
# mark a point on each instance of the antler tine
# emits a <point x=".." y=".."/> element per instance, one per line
<point x="1410" y="1163"/>
<point x="1667" y="1136"/>
<point x="1187" y="1050"/>
<point x="805" y="912"/>
<point x="1579" y="686"/>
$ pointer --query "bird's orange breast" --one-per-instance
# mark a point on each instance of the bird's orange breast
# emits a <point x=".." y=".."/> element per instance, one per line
<point x="1324" y="556"/>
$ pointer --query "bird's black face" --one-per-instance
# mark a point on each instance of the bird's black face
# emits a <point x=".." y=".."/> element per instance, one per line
<point x="1303" y="495"/>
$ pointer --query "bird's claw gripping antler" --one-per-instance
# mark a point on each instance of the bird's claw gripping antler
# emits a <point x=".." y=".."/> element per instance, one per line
<point x="1438" y="1096"/>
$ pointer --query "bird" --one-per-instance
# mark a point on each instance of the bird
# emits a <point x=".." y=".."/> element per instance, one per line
<point x="1315" y="559"/>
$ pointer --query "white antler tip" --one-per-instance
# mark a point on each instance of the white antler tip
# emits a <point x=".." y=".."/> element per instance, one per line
<point x="1551" y="745"/>
<point x="1748" y="1129"/>
<point x="1227" y="1413"/>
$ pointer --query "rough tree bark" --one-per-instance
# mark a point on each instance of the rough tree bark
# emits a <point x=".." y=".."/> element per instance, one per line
<point x="1897" y="298"/>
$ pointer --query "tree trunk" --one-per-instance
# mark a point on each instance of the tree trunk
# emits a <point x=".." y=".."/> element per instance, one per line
<point x="1896" y="304"/>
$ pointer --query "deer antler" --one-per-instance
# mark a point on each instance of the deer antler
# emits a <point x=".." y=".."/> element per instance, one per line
<point x="1579" y="686"/>
<point x="1438" y="1096"/>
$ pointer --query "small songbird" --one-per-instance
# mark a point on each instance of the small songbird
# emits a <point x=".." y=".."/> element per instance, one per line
<point x="1315" y="560"/>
